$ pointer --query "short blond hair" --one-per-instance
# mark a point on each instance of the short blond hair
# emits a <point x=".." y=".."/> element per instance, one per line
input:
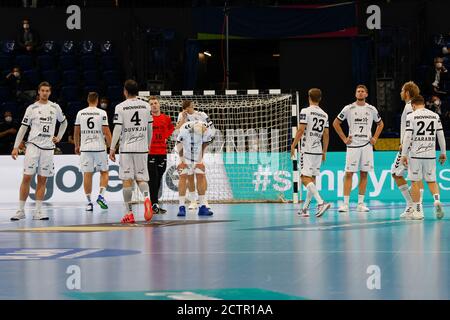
<point x="412" y="89"/>
<point x="315" y="95"/>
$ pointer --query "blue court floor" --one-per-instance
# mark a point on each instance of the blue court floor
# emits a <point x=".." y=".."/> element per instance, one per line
<point x="245" y="251"/>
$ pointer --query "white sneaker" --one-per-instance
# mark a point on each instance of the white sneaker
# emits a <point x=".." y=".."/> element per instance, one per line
<point x="40" y="216"/>
<point x="20" y="214"/>
<point x="321" y="208"/>
<point x="193" y="205"/>
<point x="439" y="211"/>
<point x="407" y="214"/>
<point x="343" y="208"/>
<point x="416" y="215"/>
<point x="304" y="213"/>
<point x="362" y="208"/>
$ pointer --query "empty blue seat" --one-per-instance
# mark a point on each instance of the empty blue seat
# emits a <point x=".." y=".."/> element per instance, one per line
<point x="24" y="61"/>
<point x="67" y="62"/>
<point x="5" y="62"/>
<point x="70" y="93"/>
<point x="88" y="89"/>
<point x="51" y="76"/>
<point x="46" y="62"/>
<point x="49" y="47"/>
<point x="88" y="62"/>
<point x="88" y="47"/>
<point x="108" y="63"/>
<point x="8" y="47"/>
<point x="111" y="78"/>
<point x="71" y="110"/>
<point x="32" y="76"/>
<point x="4" y="94"/>
<point x="106" y="48"/>
<point x="114" y="93"/>
<point x="70" y="77"/>
<point x="90" y="78"/>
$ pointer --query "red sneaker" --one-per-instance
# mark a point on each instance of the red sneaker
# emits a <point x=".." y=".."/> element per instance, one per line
<point x="148" y="215"/>
<point x="128" y="218"/>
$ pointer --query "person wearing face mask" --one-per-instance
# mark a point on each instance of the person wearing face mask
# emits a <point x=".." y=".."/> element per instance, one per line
<point x="28" y="38"/>
<point x="8" y="130"/>
<point x="435" y="105"/>
<point x="104" y="104"/>
<point x="20" y="87"/>
<point x="437" y="77"/>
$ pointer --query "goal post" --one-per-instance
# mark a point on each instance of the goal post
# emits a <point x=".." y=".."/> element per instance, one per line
<point x="249" y="159"/>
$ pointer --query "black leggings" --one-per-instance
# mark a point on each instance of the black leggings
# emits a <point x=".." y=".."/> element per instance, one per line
<point x="156" y="165"/>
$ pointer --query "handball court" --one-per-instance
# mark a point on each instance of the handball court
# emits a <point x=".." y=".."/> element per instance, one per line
<point x="244" y="251"/>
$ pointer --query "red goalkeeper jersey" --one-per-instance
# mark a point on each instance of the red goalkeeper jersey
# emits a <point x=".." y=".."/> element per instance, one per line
<point x="162" y="129"/>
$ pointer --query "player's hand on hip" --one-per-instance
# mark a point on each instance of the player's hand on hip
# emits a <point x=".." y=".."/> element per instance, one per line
<point x="55" y="140"/>
<point x="348" y="140"/>
<point x="182" y="166"/>
<point x="15" y="153"/>
<point x="373" y="141"/>
<point x="404" y="161"/>
<point x="112" y="155"/>
<point x="442" y="158"/>
<point x="201" y="166"/>
<point x="400" y="147"/>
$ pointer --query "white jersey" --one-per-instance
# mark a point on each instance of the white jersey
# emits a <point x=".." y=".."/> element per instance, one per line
<point x="196" y="116"/>
<point x="316" y="121"/>
<point x="91" y="121"/>
<point x="192" y="143"/>
<point x="134" y="115"/>
<point x="41" y="118"/>
<point x="359" y="119"/>
<point x="407" y="110"/>
<point x="423" y="124"/>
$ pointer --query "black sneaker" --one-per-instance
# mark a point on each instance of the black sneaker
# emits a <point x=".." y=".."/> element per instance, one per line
<point x="162" y="211"/>
<point x="155" y="208"/>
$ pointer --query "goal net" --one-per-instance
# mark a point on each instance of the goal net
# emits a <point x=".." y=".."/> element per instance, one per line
<point x="249" y="159"/>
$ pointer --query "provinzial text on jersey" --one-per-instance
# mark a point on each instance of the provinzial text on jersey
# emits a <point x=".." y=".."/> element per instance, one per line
<point x="135" y="129"/>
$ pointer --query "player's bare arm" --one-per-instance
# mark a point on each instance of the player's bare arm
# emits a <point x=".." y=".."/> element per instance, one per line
<point x="182" y="120"/>
<point x="298" y="136"/>
<point x="107" y="135"/>
<point x="380" y="126"/>
<point x="326" y="141"/>
<point x="76" y="138"/>
<point x="337" y="127"/>
<point x="19" y="138"/>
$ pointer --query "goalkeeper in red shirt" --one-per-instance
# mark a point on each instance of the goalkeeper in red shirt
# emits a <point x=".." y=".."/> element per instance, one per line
<point x="157" y="155"/>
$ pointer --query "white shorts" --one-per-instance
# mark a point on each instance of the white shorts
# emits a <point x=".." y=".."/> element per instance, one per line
<point x="310" y="164"/>
<point x="397" y="167"/>
<point x="191" y="169"/>
<point x="419" y="169"/>
<point x="133" y="166"/>
<point x="38" y="160"/>
<point x="93" y="161"/>
<point x="359" y="159"/>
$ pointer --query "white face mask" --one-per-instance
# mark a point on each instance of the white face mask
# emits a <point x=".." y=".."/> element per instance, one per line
<point x="16" y="74"/>
<point x="103" y="105"/>
<point x="437" y="102"/>
<point x="26" y="25"/>
<point x="438" y="65"/>
<point x="8" y="119"/>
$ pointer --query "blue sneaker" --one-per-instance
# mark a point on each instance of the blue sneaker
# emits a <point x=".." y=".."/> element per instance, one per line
<point x="102" y="202"/>
<point x="204" y="211"/>
<point x="181" y="211"/>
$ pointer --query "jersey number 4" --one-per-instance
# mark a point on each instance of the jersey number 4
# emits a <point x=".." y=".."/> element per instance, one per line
<point x="135" y="118"/>
<point x="421" y="131"/>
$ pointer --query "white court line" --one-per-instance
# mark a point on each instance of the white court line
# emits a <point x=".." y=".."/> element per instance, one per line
<point x="291" y="252"/>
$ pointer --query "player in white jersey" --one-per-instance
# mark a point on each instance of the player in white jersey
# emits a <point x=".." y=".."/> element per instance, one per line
<point x="423" y="127"/>
<point x="91" y="125"/>
<point x="41" y="118"/>
<point x="313" y="127"/>
<point x="398" y="170"/>
<point x="187" y="114"/>
<point x="133" y="126"/>
<point x="192" y="140"/>
<point x="360" y="116"/>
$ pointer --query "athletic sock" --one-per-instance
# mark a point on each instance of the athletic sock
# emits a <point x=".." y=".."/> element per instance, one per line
<point x="88" y="197"/>
<point x="127" y="195"/>
<point x="406" y="194"/>
<point x="202" y="199"/>
<point x="437" y="197"/>
<point x="38" y="205"/>
<point x="192" y="196"/>
<point x="360" y="199"/>
<point x="143" y="186"/>
<point x="347" y="200"/>
<point x="307" y="200"/>
<point x="182" y="200"/>
<point x="22" y="205"/>
<point x="313" y="190"/>
<point x="102" y="191"/>
<point x="421" y="195"/>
